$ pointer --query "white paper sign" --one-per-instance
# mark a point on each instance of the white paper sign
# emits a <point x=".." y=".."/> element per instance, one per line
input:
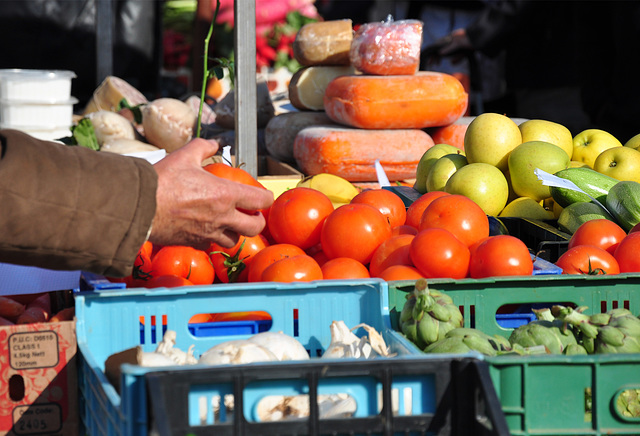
<point x="551" y="180"/>
<point x="383" y="180"/>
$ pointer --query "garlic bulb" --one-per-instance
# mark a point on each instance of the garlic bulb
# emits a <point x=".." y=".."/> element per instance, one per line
<point x="283" y="346"/>
<point x="236" y="351"/>
<point x="344" y="343"/>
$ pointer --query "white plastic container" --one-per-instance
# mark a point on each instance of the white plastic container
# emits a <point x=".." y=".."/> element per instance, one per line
<point x="19" y="114"/>
<point x="50" y="86"/>
<point x="46" y="134"/>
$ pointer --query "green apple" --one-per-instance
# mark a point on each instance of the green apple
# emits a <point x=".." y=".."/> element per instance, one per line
<point x="634" y="142"/>
<point x="443" y="169"/>
<point x="528" y="156"/>
<point x="427" y="160"/>
<point x="588" y="144"/>
<point x="622" y="163"/>
<point x="483" y="183"/>
<point x="490" y="138"/>
<point x="547" y="131"/>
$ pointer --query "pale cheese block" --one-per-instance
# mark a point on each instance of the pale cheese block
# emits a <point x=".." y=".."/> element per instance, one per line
<point x="307" y="86"/>
<point x="324" y="43"/>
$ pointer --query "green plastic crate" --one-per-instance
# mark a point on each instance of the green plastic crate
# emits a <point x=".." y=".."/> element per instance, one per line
<point x="549" y="394"/>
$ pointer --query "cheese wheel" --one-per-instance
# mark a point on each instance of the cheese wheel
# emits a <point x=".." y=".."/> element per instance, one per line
<point x="307" y="86"/>
<point x="387" y="48"/>
<point x="281" y="131"/>
<point x="324" y="43"/>
<point x="425" y="99"/>
<point x="351" y="153"/>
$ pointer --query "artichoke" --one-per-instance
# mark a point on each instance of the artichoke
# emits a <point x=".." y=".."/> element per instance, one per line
<point x="464" y="340"/>
<point x="615" y="331"/>
<point x="554" y="335"/>
<point x="428" y="315"/>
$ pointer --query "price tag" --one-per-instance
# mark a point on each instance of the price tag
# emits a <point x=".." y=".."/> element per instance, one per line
<point x="551" y="180"/>
<point x="383" y="180"/>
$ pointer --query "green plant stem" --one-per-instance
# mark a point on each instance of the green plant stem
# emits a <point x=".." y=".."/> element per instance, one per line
<point x="205" y="76"/>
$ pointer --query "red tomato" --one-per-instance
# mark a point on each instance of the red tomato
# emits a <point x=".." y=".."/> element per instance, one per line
<point x="167" y="281"/>
<point x="404" y="230"/>
<point x="627" y="253"/>
<point x="301" y="268"/>
<point x="393" y="251"/>
<point x="344" y="268"/>
<point x="355" y="231"/>
<point x="297" y="215"/>
<point x="635" y="228"/>
<point x="147" y="249"/>
<point x="416" y="209"/>
<point x="194" y="265"/>
<point x="588" y="259"/>
<point x="234" y="174"/>
<point x="230" y="264"/>
<point x="269" y="255"/>
<point x="400" y="272"/>
<point x="458" y="214"/>
<point x="602" y="233"/>
<point x="387" y="202"/>
<point x="500" y="255"/>
<point x="437" y="252"/>
<point x="254" y="315"/>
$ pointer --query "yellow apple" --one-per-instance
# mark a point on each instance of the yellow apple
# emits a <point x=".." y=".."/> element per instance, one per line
<point x="526" y="207"/>
<point x="427" y="160"/>
<point x="490" y="138"/>
<point x="588" y="144"/>
<point x="576" y="164"/>
<point x="483" y="183"/>
<point x="443" y="169"/>
<point x="622" y="163"/>
<point x="532" y="155"/>
<point x="634" y="142"/>
<point x="547" y="131"/>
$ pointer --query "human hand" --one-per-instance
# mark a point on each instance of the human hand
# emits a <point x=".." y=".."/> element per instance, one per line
<point x="194" y="207"/>
<point x="455" y="45"/>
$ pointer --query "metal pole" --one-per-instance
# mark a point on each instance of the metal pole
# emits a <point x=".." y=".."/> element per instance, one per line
<point x="104" y="39"/>
<point x="246" y="122"/>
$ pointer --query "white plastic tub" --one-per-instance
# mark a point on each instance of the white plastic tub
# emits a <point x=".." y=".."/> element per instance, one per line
<point x="18" y="114"/>
<point x="51" y="86"/>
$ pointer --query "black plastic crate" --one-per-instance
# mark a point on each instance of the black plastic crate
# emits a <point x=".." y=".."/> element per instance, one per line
<point x="455" y="394"/>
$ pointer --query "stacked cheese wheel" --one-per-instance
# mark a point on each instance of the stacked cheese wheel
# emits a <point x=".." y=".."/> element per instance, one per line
<point x="375" y="99"/>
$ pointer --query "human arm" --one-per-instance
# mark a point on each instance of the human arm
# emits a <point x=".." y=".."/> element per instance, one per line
<point x="71" y="208"/>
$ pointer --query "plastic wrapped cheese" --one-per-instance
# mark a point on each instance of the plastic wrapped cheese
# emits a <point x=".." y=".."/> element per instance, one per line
<point x="425" y="99"/>
<point x="387" y="48"/>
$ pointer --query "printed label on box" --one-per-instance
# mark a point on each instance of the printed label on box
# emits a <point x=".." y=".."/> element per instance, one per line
<point x="31" y="350"/>
<point x="37" y="418"/>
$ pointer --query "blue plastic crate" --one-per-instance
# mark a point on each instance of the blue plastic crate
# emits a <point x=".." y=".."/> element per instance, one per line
<point x="108" y="321"/>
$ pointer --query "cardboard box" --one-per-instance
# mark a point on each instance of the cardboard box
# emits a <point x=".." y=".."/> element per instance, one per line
<point x="39" y="379"/>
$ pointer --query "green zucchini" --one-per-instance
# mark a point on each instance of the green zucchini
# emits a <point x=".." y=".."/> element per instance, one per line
<point x="576" y="214"/>
<point x="623" y="201"/>
<point x="590" y="181"/>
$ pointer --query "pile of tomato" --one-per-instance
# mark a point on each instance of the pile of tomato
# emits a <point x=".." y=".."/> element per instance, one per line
<point x="601" y="246"/>
<point x="375" y="235"/>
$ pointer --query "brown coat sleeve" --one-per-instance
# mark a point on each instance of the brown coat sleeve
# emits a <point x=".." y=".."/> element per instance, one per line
<point x="72" y="208"/>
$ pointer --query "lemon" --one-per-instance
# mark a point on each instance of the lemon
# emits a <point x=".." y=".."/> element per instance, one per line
<point x="526" y="207"/>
